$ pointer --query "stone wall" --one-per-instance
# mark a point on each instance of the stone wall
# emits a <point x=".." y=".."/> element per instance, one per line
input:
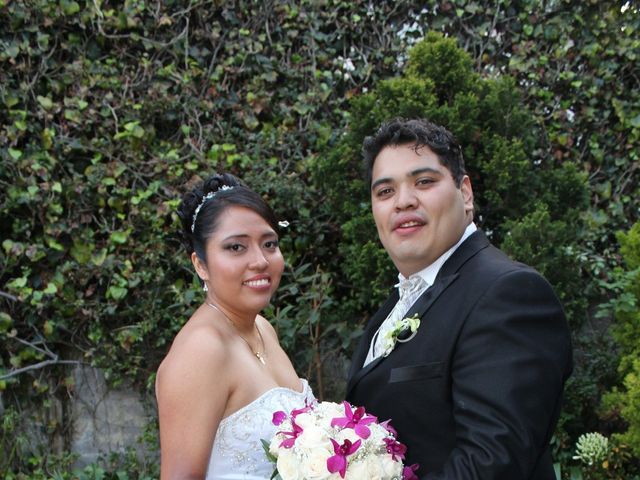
<point x="105" y="420"/>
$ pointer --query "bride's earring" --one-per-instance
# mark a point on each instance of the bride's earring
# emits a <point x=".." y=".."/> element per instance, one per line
<point x="205" y="288"/>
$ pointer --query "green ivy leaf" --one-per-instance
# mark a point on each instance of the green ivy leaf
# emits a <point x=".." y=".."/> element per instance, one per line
<point x="120" y="236"/>
<point x="70" y="8"/>
<point x="17" y="283"/>
<point x="98" y="258"/>
<point x="47" y="138"/>
<point x="82" y="252"/>
<point x="11" y="101"/>
<point x="72" y="116"/>
<point x="55" y="244"/>
<point x="45" y="102"/>
<point x="117" y="293"/>
<point x="5" y="322"/>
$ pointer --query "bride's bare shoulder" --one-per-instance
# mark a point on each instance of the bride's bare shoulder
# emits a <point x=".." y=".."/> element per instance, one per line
<point x="266" y="327"/>
<point x="199" y="345"/>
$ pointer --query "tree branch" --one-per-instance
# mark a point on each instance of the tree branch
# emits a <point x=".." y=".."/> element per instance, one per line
<point x="53" y="359"/>
<point x="8" y="295"/>
<point x="38" y="366"/>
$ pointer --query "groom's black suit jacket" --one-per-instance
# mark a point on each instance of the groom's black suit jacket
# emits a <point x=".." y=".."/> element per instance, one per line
<point x="477" y="392"/>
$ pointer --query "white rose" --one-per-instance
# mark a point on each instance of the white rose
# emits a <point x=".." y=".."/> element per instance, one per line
<point x="334" y="409"/>
<point x="378" y="433"/>
<point x="328" y="410"/>
<point x="390" y="467"/>
<point x="357" y="471"/>
<point x="312" y="437"/>
<point x="348" y="434"/>
<point x="288" y="465"/>
<point x="274" y="444"/>
<point x="315" y="465"/>
<point x="368" y="468"/>
<point x="304" y="419"/>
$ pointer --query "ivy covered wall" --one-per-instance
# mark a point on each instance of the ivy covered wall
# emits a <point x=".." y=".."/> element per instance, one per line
<point x="110" y="110"/>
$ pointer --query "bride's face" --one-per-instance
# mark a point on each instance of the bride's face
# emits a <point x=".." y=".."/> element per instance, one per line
<point x="244" y="262"/>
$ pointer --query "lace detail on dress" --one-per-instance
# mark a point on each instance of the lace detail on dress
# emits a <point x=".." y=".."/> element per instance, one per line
<point x="237" y="452"/>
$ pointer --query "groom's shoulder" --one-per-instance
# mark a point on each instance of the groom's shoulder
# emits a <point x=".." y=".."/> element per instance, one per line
<point x="492" y="261"/>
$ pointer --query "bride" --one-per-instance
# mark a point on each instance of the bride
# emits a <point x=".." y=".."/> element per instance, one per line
<point x="226" y="373"/>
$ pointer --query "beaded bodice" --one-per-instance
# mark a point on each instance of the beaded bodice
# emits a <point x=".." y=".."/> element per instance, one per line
<point x="237" y="452"/>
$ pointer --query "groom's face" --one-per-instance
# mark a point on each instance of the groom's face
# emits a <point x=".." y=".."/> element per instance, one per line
<point x="419" y="211"/>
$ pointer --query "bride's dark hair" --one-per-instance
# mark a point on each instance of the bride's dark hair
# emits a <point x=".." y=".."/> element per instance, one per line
<point x="210" y="199"/>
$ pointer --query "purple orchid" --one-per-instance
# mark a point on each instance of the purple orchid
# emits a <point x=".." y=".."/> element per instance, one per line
<point x="308" y="407"/>
<point x="387" y="426"/>
<point x="357" y="420"/>
<point x="408" y="472"/>
<point x="395" y="449"/>
<point x="278" y="417"/>
<point x="338" y="462"/>
<point x="293" y="435"/>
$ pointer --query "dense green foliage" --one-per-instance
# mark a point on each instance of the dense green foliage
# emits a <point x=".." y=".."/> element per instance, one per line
<point x="626" y="400"/>
<point x="109" y="110"/>
<point x="524" y="201"/>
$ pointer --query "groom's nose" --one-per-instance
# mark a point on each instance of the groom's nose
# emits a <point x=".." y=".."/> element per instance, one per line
<point x="405" y="197"/>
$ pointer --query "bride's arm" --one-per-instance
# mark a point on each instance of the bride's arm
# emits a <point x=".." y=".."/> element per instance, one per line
<point x="192" y="389"/>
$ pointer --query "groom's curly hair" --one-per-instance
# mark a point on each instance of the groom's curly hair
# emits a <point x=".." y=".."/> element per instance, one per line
<point x="419" y="133"/>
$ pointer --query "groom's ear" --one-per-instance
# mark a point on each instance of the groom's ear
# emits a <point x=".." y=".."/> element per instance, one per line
<point x="467" y="194"/>
<point x="199" y="265"/>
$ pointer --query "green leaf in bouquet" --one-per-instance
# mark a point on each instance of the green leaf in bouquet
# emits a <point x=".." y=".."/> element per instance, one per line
<point x="270" y="456"/>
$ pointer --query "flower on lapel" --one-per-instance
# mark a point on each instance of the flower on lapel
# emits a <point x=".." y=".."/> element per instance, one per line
<point x="402" y="331"/>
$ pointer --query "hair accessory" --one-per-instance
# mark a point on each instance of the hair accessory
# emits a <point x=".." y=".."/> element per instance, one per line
<point x="204" y="200"/>
<point x="283" y="223"/>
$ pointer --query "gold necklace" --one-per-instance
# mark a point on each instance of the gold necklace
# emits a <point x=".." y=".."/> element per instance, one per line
<point x="258" y="355"/>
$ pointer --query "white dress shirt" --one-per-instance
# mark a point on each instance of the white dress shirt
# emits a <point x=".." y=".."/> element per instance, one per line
<point x="428" y="274"/>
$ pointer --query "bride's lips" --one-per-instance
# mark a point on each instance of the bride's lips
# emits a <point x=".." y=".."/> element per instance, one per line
<point x="258" y="282"/>
<point x="408" y="224"/>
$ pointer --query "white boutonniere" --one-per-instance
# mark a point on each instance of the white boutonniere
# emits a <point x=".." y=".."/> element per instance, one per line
<point x="403" y="331"/>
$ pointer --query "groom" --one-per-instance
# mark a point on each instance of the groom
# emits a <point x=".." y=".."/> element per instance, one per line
<point x="475" y="390"/>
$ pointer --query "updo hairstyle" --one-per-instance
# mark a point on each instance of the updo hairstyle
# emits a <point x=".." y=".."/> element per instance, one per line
<point x="228" y="191"/>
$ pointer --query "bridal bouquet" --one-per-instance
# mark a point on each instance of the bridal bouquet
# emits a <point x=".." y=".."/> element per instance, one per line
<point x="330" y="441"/>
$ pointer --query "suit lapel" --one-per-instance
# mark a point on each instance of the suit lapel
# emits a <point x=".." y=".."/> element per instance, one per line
<point x="449" y="272"/>
<point x="447" y="275"/>
<point x="371" y="328"/>
<point x="421" y="306"/>
<point x="477" y="241"/>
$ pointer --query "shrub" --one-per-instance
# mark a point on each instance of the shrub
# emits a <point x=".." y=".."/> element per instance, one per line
<point x="524" y="201"/>
<point x="625" y="400"/>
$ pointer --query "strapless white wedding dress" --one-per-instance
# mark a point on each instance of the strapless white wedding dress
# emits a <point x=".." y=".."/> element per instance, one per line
<point x="237" y="452"/>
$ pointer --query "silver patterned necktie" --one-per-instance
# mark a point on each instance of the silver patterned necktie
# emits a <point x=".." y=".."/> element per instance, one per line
<point x="408" y="290"/>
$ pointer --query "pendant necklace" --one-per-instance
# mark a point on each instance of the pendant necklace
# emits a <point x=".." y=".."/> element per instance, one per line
<point x="257" y="354"/>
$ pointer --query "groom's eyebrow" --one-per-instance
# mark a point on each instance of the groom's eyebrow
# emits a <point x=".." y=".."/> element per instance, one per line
<point x="418" y="171"/>
<point x="379" y="182"/>
<point x="412" y="173"/>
